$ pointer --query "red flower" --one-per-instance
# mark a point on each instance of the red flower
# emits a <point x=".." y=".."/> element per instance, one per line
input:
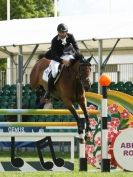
<point x="98" y="141"/>
<point x="115" y="122"/>
<point x="112" y="135"/>
<point x="113" y="108"/>
<point x="124" y="114"/>
<point x="89" y="149"/>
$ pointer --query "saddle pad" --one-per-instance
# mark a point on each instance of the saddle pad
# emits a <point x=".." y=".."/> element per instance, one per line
<point x="46" y="73"/>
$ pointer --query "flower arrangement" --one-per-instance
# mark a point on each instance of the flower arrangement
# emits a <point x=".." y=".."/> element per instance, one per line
<point x="117" y="121"/>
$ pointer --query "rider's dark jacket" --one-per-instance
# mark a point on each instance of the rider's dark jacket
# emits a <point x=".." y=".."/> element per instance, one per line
<point x="58" y="46"/>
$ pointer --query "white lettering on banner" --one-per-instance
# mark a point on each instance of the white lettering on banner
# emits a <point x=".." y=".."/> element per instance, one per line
<point x="16" y="129"/>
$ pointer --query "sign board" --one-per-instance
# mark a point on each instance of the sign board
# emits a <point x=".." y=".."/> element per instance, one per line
<point x="123" y="149"/>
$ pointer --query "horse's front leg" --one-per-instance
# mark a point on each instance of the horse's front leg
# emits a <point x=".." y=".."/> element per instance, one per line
<point x="71" y="108"/>
<point x="82" y="103"/>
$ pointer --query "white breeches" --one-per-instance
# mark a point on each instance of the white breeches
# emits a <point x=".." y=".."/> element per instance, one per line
<point x="53" y="66"/>
<point x="46" y="73"/>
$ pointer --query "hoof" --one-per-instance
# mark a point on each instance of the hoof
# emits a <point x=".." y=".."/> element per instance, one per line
<point x="86" y="137"/>
<point x="82" y="141"/>
<point x="80" y="129"/>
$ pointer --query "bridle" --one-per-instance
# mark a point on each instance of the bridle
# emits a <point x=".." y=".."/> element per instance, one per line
<point x="84" y="73"/>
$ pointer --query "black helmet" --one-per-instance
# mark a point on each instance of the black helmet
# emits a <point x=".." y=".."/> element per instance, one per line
<point x="62" y="28"/>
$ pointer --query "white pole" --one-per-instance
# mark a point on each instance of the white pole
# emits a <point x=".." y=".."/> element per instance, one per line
<point x="55" y="8"/>
<point x="9" y="77"/>
<point x="8" y="9"/>
<point x="100" y="50"/>
<point x="9" y="61"/>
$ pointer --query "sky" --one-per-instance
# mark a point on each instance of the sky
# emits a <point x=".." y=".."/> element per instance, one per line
<point x="83" y="7"/>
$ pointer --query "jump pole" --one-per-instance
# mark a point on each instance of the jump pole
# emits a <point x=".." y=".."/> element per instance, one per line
<point x="104" y="81"/>
<point x="38" y="124"/>
<point x="82" y="159"/>
<point x="42" y="112"/>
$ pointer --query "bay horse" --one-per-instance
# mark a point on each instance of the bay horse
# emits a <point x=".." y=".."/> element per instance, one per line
<point x="70" y="86"/>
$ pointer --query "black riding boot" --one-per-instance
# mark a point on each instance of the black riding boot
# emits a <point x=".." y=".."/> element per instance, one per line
<point x="50" y="87"/>
<point x="51" y="83"/>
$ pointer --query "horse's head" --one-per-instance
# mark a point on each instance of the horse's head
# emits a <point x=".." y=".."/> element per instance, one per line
<point x="85" y="71"/>
<point x="69" y="53"/>
<point x="69" y="50"/>
<point x="83" y="68"/>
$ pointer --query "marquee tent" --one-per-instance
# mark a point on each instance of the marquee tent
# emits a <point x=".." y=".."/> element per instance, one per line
<point x="28" y="32"/>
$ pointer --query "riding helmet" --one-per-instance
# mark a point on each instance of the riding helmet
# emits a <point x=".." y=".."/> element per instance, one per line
<point x="62" y="28"/>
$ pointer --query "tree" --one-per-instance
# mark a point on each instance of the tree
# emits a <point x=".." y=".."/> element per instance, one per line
<point x="27" y="9"/>
<point x="3" y="64"/>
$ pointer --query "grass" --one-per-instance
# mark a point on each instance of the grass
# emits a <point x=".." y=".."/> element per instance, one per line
<point x="5" y="156"/>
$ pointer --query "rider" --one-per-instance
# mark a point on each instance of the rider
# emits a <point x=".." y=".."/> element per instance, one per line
<point x="59" y="42"/>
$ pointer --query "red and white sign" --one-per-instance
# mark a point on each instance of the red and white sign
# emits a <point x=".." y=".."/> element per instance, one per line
<point x="123" y="149"/>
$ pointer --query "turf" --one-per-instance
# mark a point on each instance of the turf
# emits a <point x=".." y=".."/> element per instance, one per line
<point x="92" y="172"/>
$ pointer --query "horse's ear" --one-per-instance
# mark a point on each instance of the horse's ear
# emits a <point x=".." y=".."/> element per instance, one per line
<point x="89" y="60"/>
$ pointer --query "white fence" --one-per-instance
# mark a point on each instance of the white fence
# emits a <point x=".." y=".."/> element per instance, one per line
<point x="117" y="72"/>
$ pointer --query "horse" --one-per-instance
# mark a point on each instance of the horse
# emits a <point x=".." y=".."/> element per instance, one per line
<point x="70" y="86"/>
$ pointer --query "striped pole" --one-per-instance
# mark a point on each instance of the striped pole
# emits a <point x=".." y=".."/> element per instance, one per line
<point x="82" y="158"/>
<point x="105" y="162"/>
